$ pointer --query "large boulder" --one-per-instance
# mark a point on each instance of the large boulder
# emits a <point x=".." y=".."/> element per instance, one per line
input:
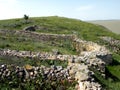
<point x="30" y="28"/>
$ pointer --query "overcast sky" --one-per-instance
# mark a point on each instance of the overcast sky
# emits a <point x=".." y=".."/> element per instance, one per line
<point x="79" y="9"/>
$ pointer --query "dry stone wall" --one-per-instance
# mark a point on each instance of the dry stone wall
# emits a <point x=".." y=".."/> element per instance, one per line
<point x="31" y="72"/>
<point x="45" y="37"/>
<point x="113" y="44"/>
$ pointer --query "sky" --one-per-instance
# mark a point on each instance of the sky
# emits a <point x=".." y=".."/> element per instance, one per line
<point x="78" y="9"/>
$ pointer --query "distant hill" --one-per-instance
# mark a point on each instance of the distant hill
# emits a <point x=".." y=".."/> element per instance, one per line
<point x="112" y="25"/>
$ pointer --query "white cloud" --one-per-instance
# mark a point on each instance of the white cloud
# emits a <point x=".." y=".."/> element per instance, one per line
<point x="10" y="9"/>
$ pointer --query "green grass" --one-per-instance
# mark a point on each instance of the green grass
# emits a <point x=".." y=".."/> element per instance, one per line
<point x="41" y="84"/>
<point x="31" y="61"/>
<point x="112" y="80"/>
<point x="8" y="40"/>
<point x="114" y="68"/>
<point x="60" y="25"/>
<point x="109" y="83"/>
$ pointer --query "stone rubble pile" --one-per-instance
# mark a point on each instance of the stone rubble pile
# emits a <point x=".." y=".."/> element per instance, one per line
<point x="84" y="77"/>
<point x="91" y="55"/>
<point x="91" y="59"/>
<point x="111" y="40"/>
<point x="31" y="72"/>
<point x="113" y="44"/>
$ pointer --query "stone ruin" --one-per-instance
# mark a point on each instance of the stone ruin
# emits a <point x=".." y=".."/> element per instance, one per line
<point x="112" y="43"/>
<point x="91" y="55"/>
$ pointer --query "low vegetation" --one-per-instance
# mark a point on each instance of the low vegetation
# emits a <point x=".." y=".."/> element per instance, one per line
<point x="31" y="61"/>
<point x="112" y="79"/>
<point x="38" y="84"/>
<point x="9" y="40"/>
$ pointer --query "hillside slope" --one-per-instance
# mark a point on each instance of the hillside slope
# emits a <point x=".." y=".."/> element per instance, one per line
<point x="112" y="25"/>
<point x="59" y="25"/>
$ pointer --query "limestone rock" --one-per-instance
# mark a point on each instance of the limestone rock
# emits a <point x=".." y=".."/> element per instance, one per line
<point x="28" y="67"/>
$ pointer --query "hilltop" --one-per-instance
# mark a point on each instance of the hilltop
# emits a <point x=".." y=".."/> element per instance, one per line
<point x="85" y="50"/>
<point x="59" y="25"/>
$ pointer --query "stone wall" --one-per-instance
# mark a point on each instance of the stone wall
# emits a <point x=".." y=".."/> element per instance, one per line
<point x="78" y="64"/>
<point x="112" y="43"/>
<point x="45" y="37"/>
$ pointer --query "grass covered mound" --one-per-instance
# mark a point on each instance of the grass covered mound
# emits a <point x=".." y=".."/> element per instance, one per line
<point x="59" y="25"/>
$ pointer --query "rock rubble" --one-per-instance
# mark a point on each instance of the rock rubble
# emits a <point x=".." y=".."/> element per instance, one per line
<point x="31" y="72"/>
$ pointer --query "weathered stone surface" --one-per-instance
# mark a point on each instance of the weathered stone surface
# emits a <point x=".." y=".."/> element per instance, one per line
<point x="53" y="73"/>
<point x="113" y="44"/>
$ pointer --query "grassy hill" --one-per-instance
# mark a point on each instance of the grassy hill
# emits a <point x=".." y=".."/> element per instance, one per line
<point x="59" y="25"/>
<point x="112" y="25"/>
